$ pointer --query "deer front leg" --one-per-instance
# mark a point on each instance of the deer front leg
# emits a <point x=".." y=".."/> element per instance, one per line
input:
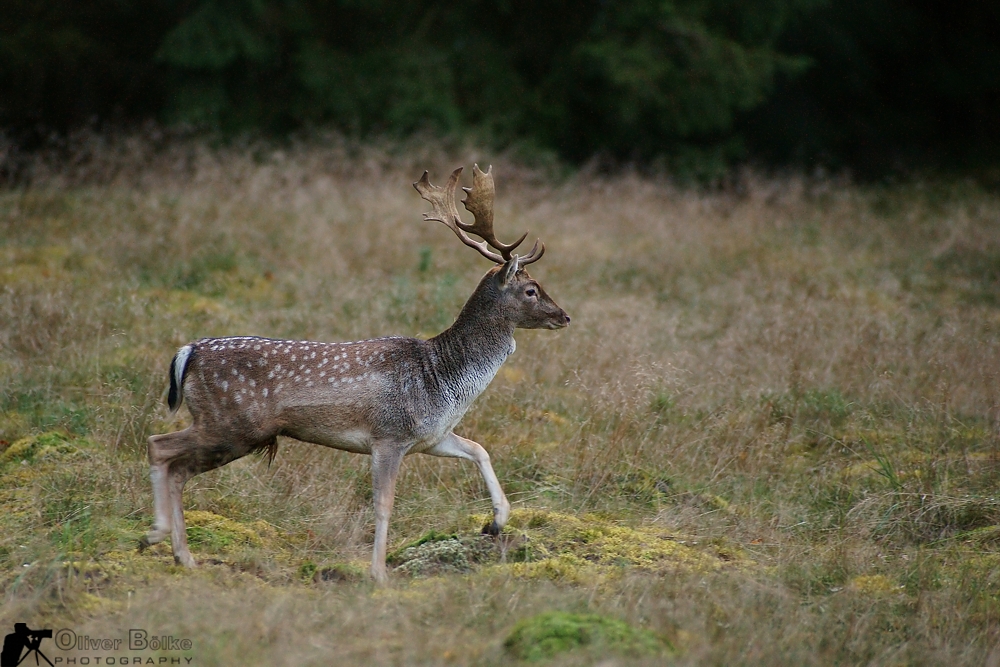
<point x="385" y="469"/>
<point x="456" y="446"/>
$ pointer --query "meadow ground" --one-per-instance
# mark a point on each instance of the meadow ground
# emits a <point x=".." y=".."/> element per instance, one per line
<point x="770" y="435"/>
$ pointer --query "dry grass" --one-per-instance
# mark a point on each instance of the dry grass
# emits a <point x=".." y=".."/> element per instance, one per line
<point x="795" y="378"/>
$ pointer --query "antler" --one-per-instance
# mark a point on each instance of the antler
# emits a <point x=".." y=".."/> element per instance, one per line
<point x="443" y="201"/>
<point x="480" y="202"/>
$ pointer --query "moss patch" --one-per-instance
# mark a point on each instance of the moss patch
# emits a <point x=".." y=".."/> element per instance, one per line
<point x="873" y="585"/>
<point x="551" y="633"/>
<point x="212" y="533"/>
<point x="437" y="553"/>
<point x="42" y="447"/>
<point x="559" y="546"/>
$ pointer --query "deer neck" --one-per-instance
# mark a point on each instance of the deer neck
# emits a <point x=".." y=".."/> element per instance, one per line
<point x="469" y="353"/>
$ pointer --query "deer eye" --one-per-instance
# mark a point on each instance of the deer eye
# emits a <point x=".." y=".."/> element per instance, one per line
<point x="530" y="291"/>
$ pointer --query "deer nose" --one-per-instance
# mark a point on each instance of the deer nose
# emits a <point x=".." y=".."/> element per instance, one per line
<point x="567" y="318"/>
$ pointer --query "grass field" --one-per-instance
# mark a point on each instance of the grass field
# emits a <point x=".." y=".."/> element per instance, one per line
<point x="771" y="434"/>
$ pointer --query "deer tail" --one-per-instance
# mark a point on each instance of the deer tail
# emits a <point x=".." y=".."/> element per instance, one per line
<point x="178" y="369"/>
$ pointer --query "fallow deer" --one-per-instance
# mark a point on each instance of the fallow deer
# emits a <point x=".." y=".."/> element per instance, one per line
<point x="387" y="397"/>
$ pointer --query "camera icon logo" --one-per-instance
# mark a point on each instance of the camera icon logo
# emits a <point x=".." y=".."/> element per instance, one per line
<point x="22" y="638"/>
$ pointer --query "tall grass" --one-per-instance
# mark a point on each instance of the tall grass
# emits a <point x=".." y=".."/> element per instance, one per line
<point x="802" y="371"/>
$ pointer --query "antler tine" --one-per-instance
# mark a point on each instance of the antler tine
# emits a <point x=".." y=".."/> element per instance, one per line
<point x="479" y="201"/>
<point x="442" y="199"/>
<point x="531" y="256"/>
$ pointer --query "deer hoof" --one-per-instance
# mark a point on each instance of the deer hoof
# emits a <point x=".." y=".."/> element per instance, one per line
<point x="185" y="559"/>
<point x="492" y="528"/>
<point x="149" y="539"/>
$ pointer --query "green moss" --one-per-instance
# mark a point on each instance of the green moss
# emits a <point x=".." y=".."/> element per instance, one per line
<point x="308" y="570"/>
<point x="394" y="557"/>
<point x="558" y="547"/>
<point x="213" y="533"/>
<point x="551" y="633"/>
<point x="596" y="541"/>
<point x="873" y="585"/>
<point x="439" y="556"/>
<point x="53" y="444"/>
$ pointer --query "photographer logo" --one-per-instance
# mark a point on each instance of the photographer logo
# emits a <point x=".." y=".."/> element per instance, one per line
<point x="139" y="647"/>
<point x="21" y="643"/>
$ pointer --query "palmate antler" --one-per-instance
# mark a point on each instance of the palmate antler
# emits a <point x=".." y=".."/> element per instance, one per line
<point x="480" y="203"/>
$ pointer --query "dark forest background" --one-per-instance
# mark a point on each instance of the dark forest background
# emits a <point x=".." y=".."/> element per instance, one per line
<point x="875" y="86"/>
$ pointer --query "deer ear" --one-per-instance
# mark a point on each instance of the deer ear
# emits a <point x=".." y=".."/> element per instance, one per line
<point x="508" y="270"/>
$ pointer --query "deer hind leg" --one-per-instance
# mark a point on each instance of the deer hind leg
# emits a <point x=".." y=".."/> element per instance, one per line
<point x="174" y="459"/>
<point x="455" y="446"/>
<point x="161" y="449"/>
<point x="205" y="455"/>
<point x="385" y="470"/>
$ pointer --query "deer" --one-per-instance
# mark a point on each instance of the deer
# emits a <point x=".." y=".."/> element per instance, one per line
<point x="384" y="397"/>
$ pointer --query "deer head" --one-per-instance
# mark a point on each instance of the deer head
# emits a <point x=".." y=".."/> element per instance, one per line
<point x="508" y="287"/>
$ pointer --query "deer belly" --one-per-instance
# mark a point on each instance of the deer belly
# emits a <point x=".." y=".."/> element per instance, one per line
<point x="358" y="440"/>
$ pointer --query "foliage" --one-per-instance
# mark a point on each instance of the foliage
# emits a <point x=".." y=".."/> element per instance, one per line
<point x="692" y="84"/>
<point x="891" y="84"/>
<point x="548" y="634"/>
